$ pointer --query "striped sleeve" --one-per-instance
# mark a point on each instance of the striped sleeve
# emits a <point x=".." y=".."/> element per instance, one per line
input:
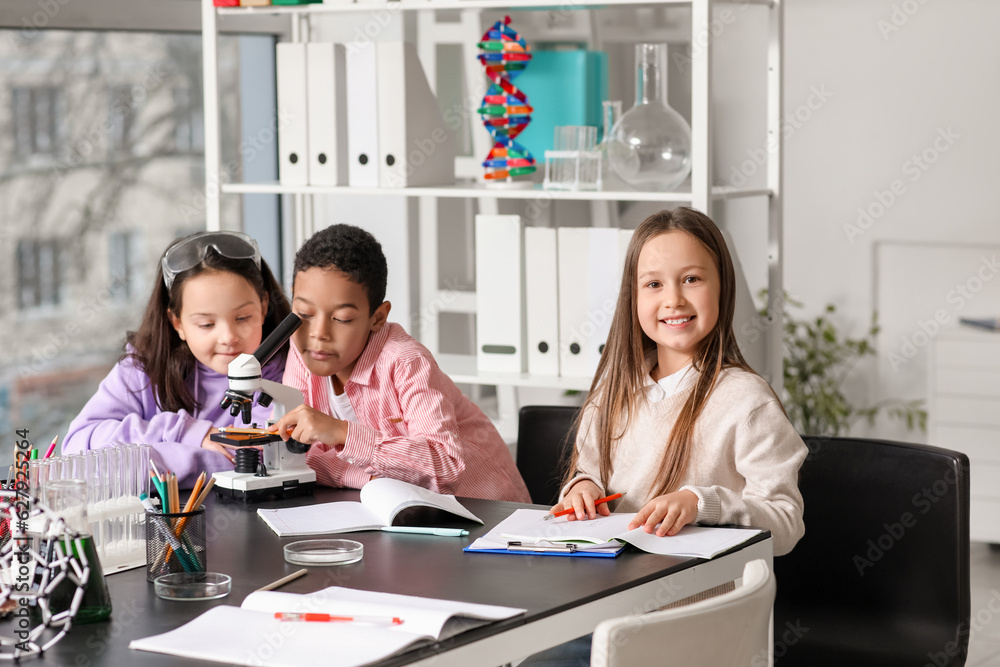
<point x="421" y="445"/>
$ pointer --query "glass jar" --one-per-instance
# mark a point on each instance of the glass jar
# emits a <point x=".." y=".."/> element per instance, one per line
<point x="650" y="145"/>
<point x="611" y="111"/>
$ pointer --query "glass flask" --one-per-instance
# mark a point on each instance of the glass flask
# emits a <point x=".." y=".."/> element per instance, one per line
<point x="650" y="145"/>
<point x="68" y="499"/>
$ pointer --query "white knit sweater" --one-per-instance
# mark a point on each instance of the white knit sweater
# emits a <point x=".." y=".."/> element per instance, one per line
<point x="744" y="463"/>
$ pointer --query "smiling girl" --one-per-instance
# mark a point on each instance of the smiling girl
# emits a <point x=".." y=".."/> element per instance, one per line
<point x="214" y="298"/>
<point x="676" y="418"/>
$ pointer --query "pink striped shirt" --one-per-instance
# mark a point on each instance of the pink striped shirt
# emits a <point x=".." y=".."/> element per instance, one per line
<point x="413" y="424"/>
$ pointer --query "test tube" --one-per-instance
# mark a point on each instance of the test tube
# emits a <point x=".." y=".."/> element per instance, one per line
<point x="131" y="499"/>
<point x="105" y="483"/>
<point x="95" y="490"/>
<point x="142" y="475"/>
<point x="74" y="467"/>
<point x="34" y="477"/>
<point x="114" y="476"/>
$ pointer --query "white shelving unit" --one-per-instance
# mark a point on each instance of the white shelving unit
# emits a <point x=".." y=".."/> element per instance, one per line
<point x="964" y="414"/>
<point x="698" y="193"/>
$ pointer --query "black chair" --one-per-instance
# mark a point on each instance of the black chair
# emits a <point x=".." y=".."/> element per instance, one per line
<point x="881" y="576"/>
<point x="545" y="436"/>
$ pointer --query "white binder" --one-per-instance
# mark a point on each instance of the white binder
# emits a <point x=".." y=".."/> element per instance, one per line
<point x="415" y="146"/>
<point x="541" y="282"/>
<point x="362" y="114"/>
<point x="624" y="238"/>
<point x="500" y="303"/>
<point x="603" y="283"/>
<point x="589" y="279"/>
<point x="573" y="252"/>
<point x="752" y="344"/>
<point x="326" y="69"/>
<point x="293" y="134"/>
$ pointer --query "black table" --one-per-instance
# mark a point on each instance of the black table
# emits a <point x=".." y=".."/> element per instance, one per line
<point x="564" y="597"/>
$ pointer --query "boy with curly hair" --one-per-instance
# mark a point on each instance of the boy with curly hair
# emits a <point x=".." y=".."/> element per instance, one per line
<point x="376" y="403"/>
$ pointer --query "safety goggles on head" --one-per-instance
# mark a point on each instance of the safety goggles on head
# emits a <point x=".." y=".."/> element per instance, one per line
<point x="191" y="252"/>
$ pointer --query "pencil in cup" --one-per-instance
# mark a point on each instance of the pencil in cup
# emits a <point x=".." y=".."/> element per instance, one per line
<point x="164" y="531"/>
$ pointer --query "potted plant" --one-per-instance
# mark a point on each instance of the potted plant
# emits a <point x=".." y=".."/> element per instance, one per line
<point x="817" y="359"/>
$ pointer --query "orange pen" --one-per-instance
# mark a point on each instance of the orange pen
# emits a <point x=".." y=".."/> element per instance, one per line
<point x="599" y="501"/>
<point x="330" y="618"/>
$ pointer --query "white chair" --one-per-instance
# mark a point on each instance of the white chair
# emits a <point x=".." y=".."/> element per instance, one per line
<point x="732" y="629"/>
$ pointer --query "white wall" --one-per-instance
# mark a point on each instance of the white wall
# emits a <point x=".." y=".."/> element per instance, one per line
<point x="894" y="93"/>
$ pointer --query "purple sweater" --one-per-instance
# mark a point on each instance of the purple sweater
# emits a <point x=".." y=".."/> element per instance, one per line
<point x="124" y="410"/>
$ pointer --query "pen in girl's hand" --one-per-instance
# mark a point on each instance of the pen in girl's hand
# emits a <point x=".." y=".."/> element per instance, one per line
<point x="329" y="618"/>
<point x="570" y="510"/>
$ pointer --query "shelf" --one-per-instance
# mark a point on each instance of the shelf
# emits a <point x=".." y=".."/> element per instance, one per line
<point x="461" y="368"/>
<point x="474" y="190"/>
<point x="410" y="5"/>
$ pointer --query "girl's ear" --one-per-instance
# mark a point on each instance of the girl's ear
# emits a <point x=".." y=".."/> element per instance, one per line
<point x="380" y="315"/>
<point x="175" y="322"/>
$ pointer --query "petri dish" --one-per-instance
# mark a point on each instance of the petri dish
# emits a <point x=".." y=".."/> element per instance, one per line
<point x="193" y="586"/>
<point x="324" y="552"/>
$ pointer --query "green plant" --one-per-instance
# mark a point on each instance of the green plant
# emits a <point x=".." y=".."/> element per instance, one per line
<point x="817" y="359"/>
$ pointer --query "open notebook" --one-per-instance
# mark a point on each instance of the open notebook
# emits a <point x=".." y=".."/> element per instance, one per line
<point x="528" y="527"/>
<point x="250" y="635"/>
<point x="381" y="500"/>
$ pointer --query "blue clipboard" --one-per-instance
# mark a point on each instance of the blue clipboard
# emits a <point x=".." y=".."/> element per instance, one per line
<point x="547" y="551"/>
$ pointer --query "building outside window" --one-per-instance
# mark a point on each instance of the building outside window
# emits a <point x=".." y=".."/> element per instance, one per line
<point x="38" y="280"/>
<point x="101" y="167"/>
<point x="36" y="114"/>
<point x="121" y="119"/>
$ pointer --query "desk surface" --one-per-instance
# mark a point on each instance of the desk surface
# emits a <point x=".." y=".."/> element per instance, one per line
<point x="241" y="545"/>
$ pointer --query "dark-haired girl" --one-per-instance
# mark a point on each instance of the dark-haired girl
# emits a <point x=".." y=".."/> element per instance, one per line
<point x="214" y="298"/>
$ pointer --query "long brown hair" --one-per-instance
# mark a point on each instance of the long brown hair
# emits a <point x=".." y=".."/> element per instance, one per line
<point x="160" y="352"/>
<point x="618" y="384"/>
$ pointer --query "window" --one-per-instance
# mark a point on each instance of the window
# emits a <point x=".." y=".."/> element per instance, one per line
<point x="38" y="279"/>
<point x="118" y="117"/>
<point x="190" y="126"/>
<point x="123" y="250"/>
<point x="36" y="116"/>
<point x="121" y="114"/>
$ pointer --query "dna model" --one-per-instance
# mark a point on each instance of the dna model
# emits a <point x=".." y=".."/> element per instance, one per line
<point x="505" y="110"/>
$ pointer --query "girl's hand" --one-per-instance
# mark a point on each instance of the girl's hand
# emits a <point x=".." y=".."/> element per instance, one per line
<point x="208" y="443"/>
<point x="672" y="511"/>
<point x="308" y="425"/>
<point x="581" y="498"/>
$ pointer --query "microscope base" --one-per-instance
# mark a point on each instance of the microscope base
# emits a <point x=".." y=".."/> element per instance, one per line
<point x="247" y="488"/>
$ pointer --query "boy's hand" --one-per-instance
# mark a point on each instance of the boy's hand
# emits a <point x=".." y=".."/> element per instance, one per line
<point x="672" y="511"/>
<point x="308" y="425"/>
<point x="581" y="498"/>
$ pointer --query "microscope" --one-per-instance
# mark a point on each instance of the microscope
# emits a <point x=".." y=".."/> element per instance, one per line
<point x="278" y="468"/>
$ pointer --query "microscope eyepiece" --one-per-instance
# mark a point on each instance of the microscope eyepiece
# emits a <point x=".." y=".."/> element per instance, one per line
<point x="278" y="337"/>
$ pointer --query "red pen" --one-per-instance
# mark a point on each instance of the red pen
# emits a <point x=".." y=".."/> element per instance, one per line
<point x="330" y="618"/>
<point x="570" y="510"/>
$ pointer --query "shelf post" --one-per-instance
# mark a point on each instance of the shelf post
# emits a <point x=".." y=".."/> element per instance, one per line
<point x="775" y="182"/>
<point x="701" y="106"/>
<point x="210" y="74"/>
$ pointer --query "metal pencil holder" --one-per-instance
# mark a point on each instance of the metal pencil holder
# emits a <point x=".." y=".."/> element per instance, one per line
<point x="175" y="543"/>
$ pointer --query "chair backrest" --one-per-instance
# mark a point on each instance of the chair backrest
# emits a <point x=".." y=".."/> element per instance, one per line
<point x="881" y="576"/>
<point x="545" y="434"/>
<point x="729" y="630"/>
